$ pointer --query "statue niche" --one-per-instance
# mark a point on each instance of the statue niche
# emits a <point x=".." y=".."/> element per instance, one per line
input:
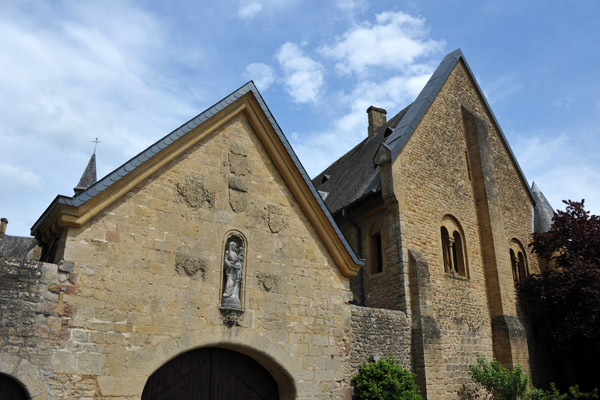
<point x="233" y="272"/>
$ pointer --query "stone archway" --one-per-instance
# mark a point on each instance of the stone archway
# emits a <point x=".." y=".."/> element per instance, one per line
<point x="10" y="389"/>
<point x="211" y="373"/>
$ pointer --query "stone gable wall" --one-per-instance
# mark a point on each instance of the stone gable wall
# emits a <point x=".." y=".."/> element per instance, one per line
<point x="432" y="179"/>
<point x="151" y="276"/>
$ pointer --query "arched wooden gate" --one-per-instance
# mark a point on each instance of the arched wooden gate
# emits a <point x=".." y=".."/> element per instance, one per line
<point x="10" y="389"/>
<point x="212" y="374"/>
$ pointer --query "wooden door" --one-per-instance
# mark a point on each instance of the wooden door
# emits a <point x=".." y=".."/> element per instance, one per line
<point x="10" y="389"/>
<point x="211" y="374"/>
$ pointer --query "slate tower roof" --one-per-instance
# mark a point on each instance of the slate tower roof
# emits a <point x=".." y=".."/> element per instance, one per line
<point x="88" y="178"/>
<point x="544" y="213"/>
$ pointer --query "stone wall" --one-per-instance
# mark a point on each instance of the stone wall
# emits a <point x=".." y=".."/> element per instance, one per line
<point x="385" y="289"/>
<point x="35" y="322"/>
<point x="378" y="332"/>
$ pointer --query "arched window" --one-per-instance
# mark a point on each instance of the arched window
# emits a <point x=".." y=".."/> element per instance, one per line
<point x="453" y="247"/>
<point x="518" y="262"/>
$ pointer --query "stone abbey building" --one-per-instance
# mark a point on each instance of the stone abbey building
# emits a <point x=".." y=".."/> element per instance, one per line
<point x="211" y="266"/>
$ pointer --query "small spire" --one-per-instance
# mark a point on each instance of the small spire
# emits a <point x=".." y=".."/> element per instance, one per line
<point x="88" y="178"/>
<point x="543" y="211"/>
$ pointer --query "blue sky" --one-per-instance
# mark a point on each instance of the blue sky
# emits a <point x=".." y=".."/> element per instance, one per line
<point x="131" y="72"/>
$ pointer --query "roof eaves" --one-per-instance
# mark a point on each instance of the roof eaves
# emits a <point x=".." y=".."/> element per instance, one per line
<point x="148" y="153"/>
<point x="404" y="130"/>
<point x="60" y="199"/>
<point x="304" y="175"/>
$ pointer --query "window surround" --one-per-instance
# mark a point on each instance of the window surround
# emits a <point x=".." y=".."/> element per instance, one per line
<point x="454" y="249"/>
<point x="518" y="261"/>
<point x="376" y="252"/>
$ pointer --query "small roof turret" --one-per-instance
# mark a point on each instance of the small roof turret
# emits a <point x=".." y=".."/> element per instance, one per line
<point x="543" y="211"/>
<point x="88" y="178"/>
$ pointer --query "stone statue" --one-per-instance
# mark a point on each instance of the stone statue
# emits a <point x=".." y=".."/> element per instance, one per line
<point x="234" y="262"/>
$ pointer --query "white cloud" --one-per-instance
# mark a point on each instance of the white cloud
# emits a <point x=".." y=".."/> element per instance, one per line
<point x="562" y="165"/>
<point x="319" y="150"/>
<point x="564" y="102"/>
<point x="351" y="7"/>
<point x="501" y="88"/>
<point x="303" y="76"/>
<point x="249" y="10"/>
<point x="262" y="75"/>
<point x="72" y="71"/>
<point x="393" y="42"/>
<point x="15" y="177"/>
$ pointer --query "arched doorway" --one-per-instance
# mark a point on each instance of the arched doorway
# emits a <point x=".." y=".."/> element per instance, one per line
<point x="10" y="389"/>
<point x="211" y="373"/>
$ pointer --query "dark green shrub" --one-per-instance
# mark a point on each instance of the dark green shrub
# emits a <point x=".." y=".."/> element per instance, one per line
<point x="573" y="393"/>
<point x="499" y="381"/>
<point x="505" y="384"/>
<point x="385" y="380"/>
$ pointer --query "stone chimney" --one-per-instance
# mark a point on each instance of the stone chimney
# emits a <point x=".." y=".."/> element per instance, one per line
<point x="3" y="223"/>
<point x="377" y="118"/>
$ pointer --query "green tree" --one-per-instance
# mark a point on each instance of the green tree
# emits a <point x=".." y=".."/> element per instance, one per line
<point x="563" y="303"/>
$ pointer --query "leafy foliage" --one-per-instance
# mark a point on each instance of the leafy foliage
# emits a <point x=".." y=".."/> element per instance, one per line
<point x="572" y="394"/>
<point x="385" y="380"/>
<point x="504" y="384"/>
<point x="500" y="382"/>
<point x="573" y="240"/>
<point x="564" y="303"/>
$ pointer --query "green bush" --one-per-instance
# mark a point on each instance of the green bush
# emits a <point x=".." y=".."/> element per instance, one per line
<point x="385" y="380"/>
<point x="573" y="393"/>
<point x="500" y="382"/>
<point x="505" y="384"/>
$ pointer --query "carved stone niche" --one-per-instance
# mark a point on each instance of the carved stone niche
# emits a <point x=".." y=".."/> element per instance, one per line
<point x="234" y="263"/>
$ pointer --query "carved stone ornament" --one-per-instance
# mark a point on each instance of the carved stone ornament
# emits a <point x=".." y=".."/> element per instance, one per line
<point x="233" y="270"/>
<point x="231" y="317"/>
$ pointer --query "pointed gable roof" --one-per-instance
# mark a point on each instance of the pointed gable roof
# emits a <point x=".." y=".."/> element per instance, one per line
<point x="77" y="210"/>
<point x="395" y="142"/>
<point x="355" y="175"/>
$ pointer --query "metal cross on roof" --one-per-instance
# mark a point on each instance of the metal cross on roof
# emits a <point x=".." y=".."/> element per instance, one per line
<point x="95" y="144"/>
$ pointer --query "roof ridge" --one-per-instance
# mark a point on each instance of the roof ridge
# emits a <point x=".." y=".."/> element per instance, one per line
<point x="405" y="128"/>
<point x="174" y="135"/>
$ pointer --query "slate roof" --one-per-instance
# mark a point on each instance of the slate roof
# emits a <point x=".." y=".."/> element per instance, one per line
<point x="354" y="176"/>
<point x="146" y="155"/>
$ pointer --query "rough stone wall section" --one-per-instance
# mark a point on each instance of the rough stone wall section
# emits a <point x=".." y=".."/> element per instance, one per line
<point x="383" y="289"/>
<point x="34" y="319"/>
<point x="378" y="332"/>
